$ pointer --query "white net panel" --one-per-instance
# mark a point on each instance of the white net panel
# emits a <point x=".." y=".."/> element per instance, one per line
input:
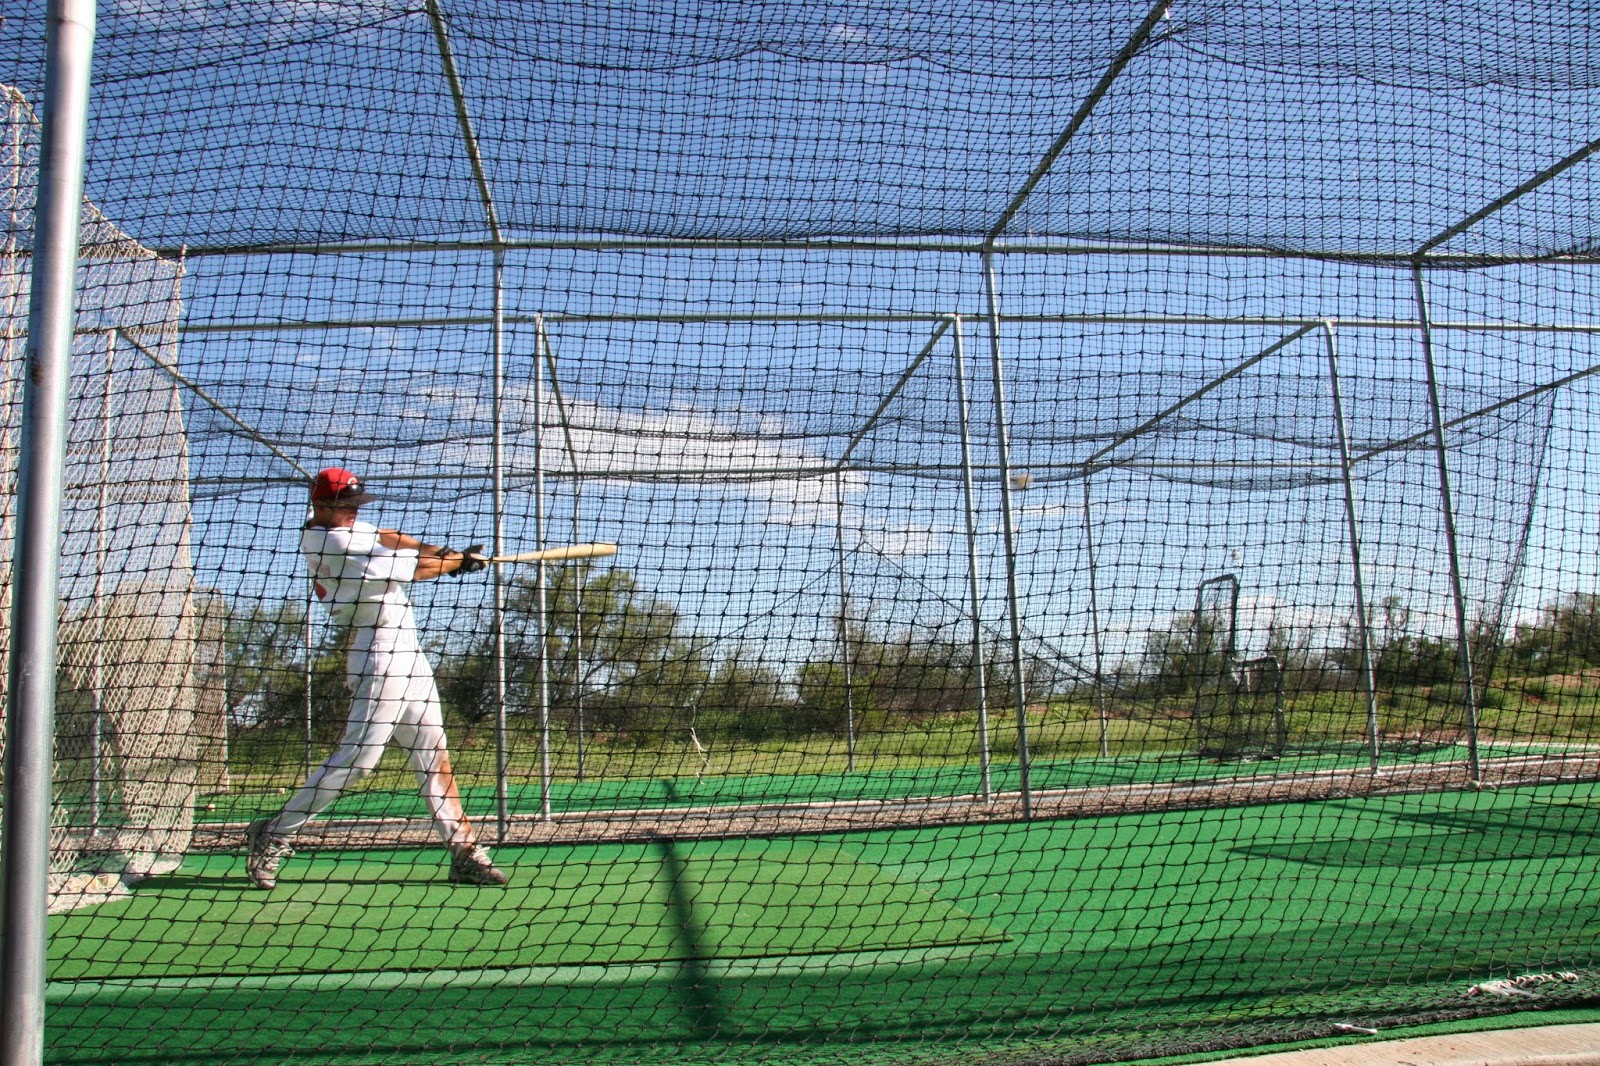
<point x="126" y="728"/>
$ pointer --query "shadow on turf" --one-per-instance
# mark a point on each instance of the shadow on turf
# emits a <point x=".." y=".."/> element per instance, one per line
<point x="1547" y="831"/>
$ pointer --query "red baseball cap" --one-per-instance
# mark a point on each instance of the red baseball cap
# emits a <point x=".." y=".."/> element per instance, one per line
<point x="338" y="487"/>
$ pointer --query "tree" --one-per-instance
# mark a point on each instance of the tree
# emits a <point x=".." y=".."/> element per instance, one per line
<point x="615" y="650"/>
<point x="468" y="685"/>
<point x="1399" y="656"/>
<point x="263" y="658"/>
<point x="264" y="669"/>
<point x="900" y="674"/>
<point x="745" y="700"/>
<point x="1301" y="669"/>
<point x="1183" y="657"/>
<point x="1564" y="638"/>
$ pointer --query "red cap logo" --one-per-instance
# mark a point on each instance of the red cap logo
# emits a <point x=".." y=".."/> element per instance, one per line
<point x="336" y="485"/>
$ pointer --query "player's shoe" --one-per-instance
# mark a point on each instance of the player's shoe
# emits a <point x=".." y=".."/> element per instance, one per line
<point x="472" y="867"/>
<point x="266" y="852"/>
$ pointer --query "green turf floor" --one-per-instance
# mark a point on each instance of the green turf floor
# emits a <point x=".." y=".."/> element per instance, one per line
<point x="1053" y="938"/>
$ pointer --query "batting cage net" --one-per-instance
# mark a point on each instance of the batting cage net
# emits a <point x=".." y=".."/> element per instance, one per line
<point x="127" y="747"/>
<point x="1069" y="529"/>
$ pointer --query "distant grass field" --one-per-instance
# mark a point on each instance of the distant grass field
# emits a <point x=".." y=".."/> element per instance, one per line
<point x="935" y="755"/>
<point x="392" y="792"/>
<point x="917" y="945"/>
<point x="1553" y="711"/>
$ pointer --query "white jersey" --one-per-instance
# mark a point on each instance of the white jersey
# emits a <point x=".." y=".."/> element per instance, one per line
<point x="361" y="582"/>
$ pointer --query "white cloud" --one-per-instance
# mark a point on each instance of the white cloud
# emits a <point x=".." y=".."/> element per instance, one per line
<point x="221" y="21"/>
<point x="848" y="34"/>
<point x="752" y="458"/>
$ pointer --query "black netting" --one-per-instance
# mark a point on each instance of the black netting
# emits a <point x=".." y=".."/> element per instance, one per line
<point x="1074" y="528"/>
<point x="1360" y="128"/>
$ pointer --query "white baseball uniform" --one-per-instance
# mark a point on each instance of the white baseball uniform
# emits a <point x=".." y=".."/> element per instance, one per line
<point x="363" y="583"/>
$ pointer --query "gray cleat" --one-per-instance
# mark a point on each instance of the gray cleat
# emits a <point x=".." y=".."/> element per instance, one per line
<point x="266" y="851"/>
<point x="473" y="867"/>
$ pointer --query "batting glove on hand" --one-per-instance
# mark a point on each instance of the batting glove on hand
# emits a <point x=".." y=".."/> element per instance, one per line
<point x="472" y="560"/>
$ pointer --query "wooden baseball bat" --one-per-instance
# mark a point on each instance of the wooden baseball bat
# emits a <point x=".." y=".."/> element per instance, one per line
<point x="570" y="551"/>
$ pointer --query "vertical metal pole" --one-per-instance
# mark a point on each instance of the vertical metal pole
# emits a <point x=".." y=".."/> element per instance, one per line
<point x="31" y="692"/>
<point x="311" y="602"/>
<point x="578" y="575"/>
<point x="1353" y="526"/>
<point x="1094" y="626"/>
<point x="974" y="596"/>
<point x="1003" y="456"/>
<point x="101" y="552"/>
<point x="541" y="343"/>
<point x="847" y="667"/>
<point x="548" y="354"/>
<point x="1468" y="696"/>
<point x="497" y="535"/>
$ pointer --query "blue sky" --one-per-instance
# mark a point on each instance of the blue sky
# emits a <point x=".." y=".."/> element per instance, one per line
<point x="1367" y="127"/>
<point x="752" y="560"/>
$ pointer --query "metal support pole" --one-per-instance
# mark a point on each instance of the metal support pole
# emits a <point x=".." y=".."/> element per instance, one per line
<point x="305" y="636"/>
<point x="549" y="356"/>
<point x="974" y="597"/>
<point x="1353" y="527"/>
<point x="1003" y="458"/>
<point x="1468" y="696"/>
<point x="497" y="536"/>
<point x="1094" y="627"/>
<point x="847" y="668"/>
<point x="31" y="692"/>
<point x="102" y="547"/>
<point x="539" y="607"/>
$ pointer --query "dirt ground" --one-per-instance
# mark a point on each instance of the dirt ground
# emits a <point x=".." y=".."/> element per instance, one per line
<point x="788" y="819"/>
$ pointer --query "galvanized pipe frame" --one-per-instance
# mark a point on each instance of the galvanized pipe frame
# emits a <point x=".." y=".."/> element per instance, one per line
<point x="952" y="324"/>
<point x="499" y="245"/>
<point x="846" y="660"/>
<point x="1307" y="324"/>
<point x="71" y="36"/>
<point x="498" y="579"/>
<point x="1353" y="528"/>
<point x="1094" y="625"/>
<point x="31" y="688"/>
<point x="497" y="540"/>
<point x="1086" y="471"/>
<point x="540" y="607"/>
<point x="974" y="592"/>
<point x="1019" y="691"/>
<point x="561" y="318"/>
<point x="102" y="552"/>
<point x="1036" y="247"/>
<point x="564" y="419"/>
<point x="1448" y="515"/>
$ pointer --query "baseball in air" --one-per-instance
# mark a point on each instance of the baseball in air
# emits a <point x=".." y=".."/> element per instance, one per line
<point x="1021" y="481"/>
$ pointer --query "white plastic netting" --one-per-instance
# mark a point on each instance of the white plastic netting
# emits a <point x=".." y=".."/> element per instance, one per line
<point x="128" y="735"/>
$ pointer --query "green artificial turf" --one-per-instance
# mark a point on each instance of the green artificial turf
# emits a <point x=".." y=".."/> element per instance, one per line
<point x="395" y="794"/>
<point x="1116" y="937"/>
<point x="384" y="911"/>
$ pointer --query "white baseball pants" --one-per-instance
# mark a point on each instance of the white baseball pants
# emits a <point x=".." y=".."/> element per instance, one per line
<point x="395" y="697"/>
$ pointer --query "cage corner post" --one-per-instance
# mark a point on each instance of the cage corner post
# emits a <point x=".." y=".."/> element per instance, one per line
<point x="974" y="576"/>
<point x="1353" y="532"/>
<point x="1448" y="520"/>
<point x="1008" y="531"/>
<point x="30" y="715"/>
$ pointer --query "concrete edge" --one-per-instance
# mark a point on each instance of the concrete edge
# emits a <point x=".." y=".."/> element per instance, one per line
<point x="1552" y="1045"/>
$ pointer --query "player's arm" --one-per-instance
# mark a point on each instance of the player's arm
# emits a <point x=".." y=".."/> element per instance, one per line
<point x="434" y="560"/>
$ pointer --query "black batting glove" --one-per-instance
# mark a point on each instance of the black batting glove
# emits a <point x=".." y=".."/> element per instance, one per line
<point x="472" y="560"/>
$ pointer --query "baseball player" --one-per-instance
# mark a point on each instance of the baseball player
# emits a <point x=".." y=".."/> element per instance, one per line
<point x="360" y="574"/>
